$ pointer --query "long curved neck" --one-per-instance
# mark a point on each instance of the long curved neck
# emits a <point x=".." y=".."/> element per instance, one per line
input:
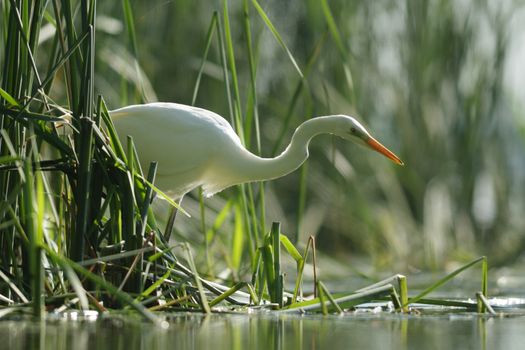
<point x="257" y="168"/>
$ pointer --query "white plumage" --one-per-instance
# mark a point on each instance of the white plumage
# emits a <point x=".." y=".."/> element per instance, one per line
<point x="196" y="147"/>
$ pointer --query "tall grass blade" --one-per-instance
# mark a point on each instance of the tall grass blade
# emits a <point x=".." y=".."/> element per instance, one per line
<point x="484" y="284"/>
<point x="35" y="272"/>
<point x="322" y="300"/>
<point x="209" y="37"/>
<point x="333" y="29"/>
<point x="237" y="242"/>
<point x="403" y="292"/>
<point x="253" y="92"/>
<point x="202" y="295"/>
<point x="339" y="43"/>
<point x="79" y="236"/>
<point x="237" y="112"/>
<point x="277" y="36"/>
<point x="148" y="197"/>
<point x="275" y="235"/>
<point x="132" y="37"/>
<point x="9" y="99"/>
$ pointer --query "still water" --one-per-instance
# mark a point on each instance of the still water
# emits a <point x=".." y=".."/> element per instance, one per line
<point x="269" y="331"/>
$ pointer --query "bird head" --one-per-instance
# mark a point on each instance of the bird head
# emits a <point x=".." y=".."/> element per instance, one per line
<point x="351" y="129"/>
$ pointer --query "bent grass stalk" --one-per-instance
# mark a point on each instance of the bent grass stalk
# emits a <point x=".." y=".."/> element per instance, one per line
<point x="230" y="292"/>
<point x="483" y="304"/>
<point x="344" y="301"/>
<point x="324" y="291"/>
<point x="447" y="278"/>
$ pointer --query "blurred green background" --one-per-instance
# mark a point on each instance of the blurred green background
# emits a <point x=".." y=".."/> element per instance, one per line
<point x="438" y="82"/>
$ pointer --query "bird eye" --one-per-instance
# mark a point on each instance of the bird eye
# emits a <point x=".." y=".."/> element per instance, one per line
<point x="352" y="130"/>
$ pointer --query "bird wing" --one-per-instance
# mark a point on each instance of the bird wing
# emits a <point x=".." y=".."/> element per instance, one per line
<point x="184" y="140"/>
<point x="181" y="118"/>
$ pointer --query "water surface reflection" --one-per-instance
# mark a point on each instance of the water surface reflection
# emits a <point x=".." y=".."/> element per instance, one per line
<point x="232" y="331"/>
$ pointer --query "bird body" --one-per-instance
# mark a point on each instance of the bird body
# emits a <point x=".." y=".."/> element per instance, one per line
<point x="178" y="137"/>
<point x="196" y="147"/>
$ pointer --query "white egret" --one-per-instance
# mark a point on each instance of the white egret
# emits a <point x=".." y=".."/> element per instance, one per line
<point x="196" y="147"/>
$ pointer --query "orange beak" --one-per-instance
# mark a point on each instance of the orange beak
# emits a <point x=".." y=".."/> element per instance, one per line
<point x="378" y="147"/>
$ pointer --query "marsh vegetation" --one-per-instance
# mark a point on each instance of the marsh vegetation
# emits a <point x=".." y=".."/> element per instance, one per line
<point x="437" y="81"/>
